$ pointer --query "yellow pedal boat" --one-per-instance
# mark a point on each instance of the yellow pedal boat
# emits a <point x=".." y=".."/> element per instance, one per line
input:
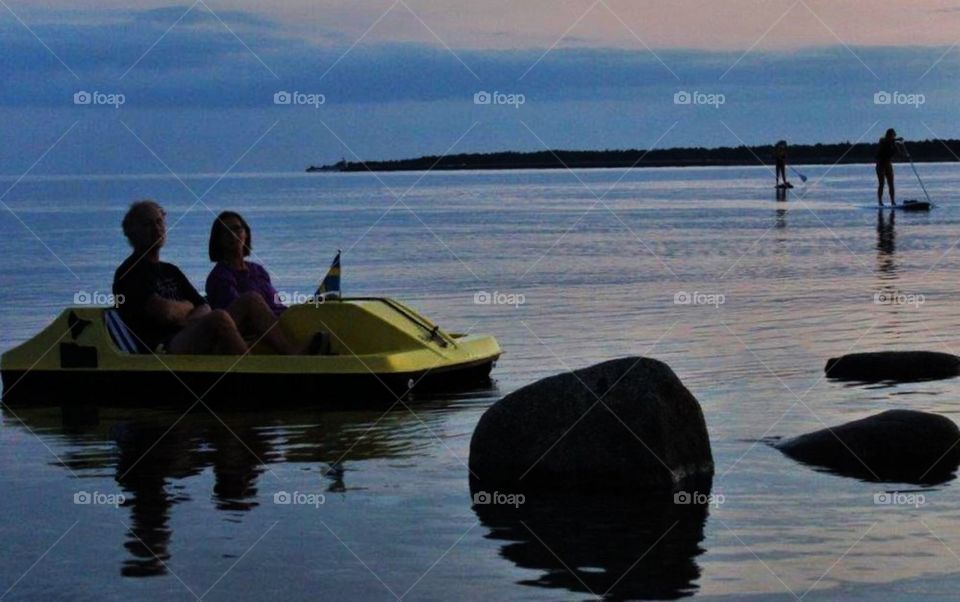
<point x="381" y="350"/>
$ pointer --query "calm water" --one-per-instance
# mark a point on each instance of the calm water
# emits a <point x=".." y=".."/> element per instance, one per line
<point x="598" y="259"/>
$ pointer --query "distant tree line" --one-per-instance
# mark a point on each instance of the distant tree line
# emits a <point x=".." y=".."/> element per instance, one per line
<point x="801" y="154"/>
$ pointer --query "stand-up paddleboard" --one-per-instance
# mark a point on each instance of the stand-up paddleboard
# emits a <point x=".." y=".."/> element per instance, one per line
<point x="915" y="206"/>
<point x="911" y="205"/>
<point x="784" y="186"/>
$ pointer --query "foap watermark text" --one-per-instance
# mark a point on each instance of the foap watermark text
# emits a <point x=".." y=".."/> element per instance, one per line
<point x="97" y="498"/>
<point x="699" y="298"/>
<point x="295" y="98"/>
<point x="499" y="298"/>
<point x="899" y="498"/>
<point x="899" y="99"/>
<point x="487" y="498"/>
<point x="97" y="98"/>
<point x="299" y="498"/>
<point x="290" y="298"/>
<point x="514" y="100"/>
<point x="697" y="98"/>
<point x="895" y="297"/>
<point x="685" y="498"/>
<point x="97" y="298"/>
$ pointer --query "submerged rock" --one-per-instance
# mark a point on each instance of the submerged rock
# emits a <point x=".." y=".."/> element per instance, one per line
<point x="901" y="366"/>
<point x="903" y="446"/>
<point x="626" y="424"/>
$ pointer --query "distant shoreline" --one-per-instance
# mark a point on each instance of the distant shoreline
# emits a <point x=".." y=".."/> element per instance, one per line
<point x="925" y="151"/>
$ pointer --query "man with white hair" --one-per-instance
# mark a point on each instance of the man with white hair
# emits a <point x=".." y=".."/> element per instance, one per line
<point x="161" y="307"/>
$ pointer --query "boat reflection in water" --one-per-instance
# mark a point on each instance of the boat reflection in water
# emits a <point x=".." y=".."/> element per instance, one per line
<point x="608" y="547"/>
<point x="157" y="451"/>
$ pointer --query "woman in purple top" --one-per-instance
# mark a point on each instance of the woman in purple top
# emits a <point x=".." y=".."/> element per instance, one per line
<point x="230" y="244"/>
<point x="243" y="287"/>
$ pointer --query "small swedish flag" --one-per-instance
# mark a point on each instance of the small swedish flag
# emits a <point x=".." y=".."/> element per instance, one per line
<point x="330" y="287"/>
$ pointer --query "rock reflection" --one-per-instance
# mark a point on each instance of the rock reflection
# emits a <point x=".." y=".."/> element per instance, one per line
<point x="613" y="548"/>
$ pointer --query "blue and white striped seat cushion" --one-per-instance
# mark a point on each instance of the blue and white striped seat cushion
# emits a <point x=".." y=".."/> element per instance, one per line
<point x="120" y="333"/>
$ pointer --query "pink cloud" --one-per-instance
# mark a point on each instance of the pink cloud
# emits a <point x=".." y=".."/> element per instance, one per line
<point x="702" y="24"/>
<point x="730" y="25"/>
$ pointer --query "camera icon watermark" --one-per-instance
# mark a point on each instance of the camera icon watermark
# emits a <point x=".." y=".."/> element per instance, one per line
<point x="687" y="498"/>
<point x="115" y="100"/>
<point x="696" y="98"/>
<point x="499" y="298"/>
<point x="899" y="498"/>
<point x="97" y="298"/>
<point x="486" y="498"/>
<point x="499" y="98"/>
<point x="698" y="298"/>
<point x="899" y="298"/>
<point x="96" y="498"/>
<point x="296" y="98"/>
<point x="298" y="498"/>
<point x="896" y="98"/>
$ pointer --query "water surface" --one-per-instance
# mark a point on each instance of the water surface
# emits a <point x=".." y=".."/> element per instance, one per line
<point x="599" y="259"/>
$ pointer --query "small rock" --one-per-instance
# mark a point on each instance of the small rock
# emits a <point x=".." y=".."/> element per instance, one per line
<point x="902" y="366"/>
<point x="903" y="446"/>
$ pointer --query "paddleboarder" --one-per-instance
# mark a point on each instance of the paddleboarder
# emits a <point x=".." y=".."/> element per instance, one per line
<point x="780" y="155"/>
<point x="886" y="151"/>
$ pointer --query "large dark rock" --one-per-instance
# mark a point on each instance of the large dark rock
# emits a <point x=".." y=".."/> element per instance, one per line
<point x="646" y="435"/>
<point x="902" y="446"/>
<point x="903" y="366"/>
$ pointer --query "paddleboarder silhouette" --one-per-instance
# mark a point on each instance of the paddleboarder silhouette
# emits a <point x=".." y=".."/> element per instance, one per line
<point x="886" y="151"/>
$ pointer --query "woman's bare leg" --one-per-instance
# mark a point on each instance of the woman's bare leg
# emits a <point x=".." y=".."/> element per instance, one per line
<point x="893" y="194"/>
<point x="880" y="179"/>
<point x="254" y="317"/>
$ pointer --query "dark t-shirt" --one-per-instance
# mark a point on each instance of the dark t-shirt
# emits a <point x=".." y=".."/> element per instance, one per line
<point x="137" y="280"/>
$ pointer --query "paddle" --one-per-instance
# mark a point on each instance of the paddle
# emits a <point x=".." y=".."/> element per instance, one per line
<point x="802" y="177"/>
<point x="903" y="145"/>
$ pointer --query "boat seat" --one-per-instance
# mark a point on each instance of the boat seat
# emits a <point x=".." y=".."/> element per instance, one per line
<point x="120" y="332"/>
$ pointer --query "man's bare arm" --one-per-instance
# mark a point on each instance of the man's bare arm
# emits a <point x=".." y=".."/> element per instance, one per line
<point x="198" y="312"/>
<point x="168" y="311"/>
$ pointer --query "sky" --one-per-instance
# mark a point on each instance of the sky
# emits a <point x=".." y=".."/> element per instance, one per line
<point x="115" y="87"/>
